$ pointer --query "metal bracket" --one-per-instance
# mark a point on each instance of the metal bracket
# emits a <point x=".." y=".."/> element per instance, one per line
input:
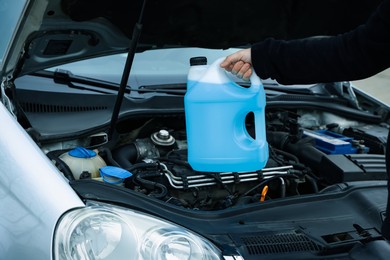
<point x="5" y="99"/>
<point x="350" y="94"/>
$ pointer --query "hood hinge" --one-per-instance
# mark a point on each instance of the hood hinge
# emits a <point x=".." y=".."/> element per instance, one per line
<point x="6" y="83"/>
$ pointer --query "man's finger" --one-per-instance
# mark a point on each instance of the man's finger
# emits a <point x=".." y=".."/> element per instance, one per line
<point x="229" y="61"/>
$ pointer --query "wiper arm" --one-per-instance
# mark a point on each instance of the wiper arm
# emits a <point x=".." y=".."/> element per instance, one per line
<point x="288" y="90"/>
<point x="66" y="77"/>
<point x="163" y="88"/>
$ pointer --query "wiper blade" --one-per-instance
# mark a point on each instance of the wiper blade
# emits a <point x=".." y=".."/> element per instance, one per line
<point x="288" y="90"/>
<point x="180" y="88"/>
<point x="66" y="77"/>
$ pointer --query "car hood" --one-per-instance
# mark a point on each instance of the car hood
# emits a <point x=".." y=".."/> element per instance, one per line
<point x="53" y="32"/>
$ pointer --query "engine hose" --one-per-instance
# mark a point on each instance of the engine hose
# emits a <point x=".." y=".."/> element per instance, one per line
<point x="176" y="161"/>
<point x="218" y="180"/>
<point x="303" y="149"/>
<point x="151" y="185"/>
<point x="289" y="155"/>
<point x="105" y="152"/>
<point x="62" y="166"/>
<point x="264" y="182"/>
<point x="125" y="155"/>
<point x="312" y="182"/>
<point x="274" y="156"/>
<point x="134" y="167"/>
<point x="277" y="139"/>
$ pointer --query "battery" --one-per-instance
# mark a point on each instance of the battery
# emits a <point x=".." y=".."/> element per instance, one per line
<point x="331" y="142"/>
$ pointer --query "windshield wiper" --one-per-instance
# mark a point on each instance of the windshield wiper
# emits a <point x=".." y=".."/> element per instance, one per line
<point x="179" y="88"/>
<point x="66" y="77"/>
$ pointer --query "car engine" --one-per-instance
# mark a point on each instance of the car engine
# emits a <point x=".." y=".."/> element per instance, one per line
<point x="309" y="152"/>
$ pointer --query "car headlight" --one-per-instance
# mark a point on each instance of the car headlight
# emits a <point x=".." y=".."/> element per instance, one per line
<point x="103" y="231"/>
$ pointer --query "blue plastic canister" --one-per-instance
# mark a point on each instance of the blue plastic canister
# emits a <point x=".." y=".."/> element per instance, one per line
<point x="215" y="110"/>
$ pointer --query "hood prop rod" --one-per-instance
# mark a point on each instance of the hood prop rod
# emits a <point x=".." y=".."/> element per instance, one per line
<point x="126" y="72"/>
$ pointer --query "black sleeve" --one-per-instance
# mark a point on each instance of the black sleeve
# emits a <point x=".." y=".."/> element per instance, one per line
<point x="354" y="55"/>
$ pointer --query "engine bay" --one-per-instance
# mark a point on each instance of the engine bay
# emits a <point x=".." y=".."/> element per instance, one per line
<point x="308" y="153"/>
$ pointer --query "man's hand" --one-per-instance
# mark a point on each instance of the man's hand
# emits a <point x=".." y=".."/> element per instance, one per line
<point x="239" y="63"/>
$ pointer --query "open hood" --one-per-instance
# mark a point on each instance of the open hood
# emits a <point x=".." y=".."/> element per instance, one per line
<point x="58" y="31"/>
<point x="97" y="160"/>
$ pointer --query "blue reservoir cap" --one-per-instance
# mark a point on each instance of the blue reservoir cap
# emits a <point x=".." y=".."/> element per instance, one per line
<point x="81" y="152"/>
<point x="114" y="175"/>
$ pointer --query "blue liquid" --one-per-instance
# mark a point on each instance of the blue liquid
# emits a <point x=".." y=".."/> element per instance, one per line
<point x="215" y="120"/>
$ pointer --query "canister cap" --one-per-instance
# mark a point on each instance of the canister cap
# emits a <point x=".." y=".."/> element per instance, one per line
<point x="114" y="175"/>
<point x="201" y="60"/>
<point x="81" y="152"/>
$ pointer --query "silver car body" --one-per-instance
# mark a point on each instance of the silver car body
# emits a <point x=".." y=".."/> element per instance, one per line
<point x="33" y="195"/>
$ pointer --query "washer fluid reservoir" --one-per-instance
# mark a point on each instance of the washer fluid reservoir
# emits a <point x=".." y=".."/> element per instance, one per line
<point x="215" y="109"/>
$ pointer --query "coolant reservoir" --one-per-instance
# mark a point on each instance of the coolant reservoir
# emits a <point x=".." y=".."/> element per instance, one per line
<point x="83" y="163"/>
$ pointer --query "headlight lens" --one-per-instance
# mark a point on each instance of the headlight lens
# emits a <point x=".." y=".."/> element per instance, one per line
<point x="161" y="244"/>
<point x="103" y="231"/>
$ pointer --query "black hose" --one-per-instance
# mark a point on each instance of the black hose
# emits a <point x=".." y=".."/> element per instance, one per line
<point x="105" y="152"/>
<point x="312" y="182"/>
<point x="275" y="157"/>
<point x="278" y="139"/>
<point x="264" y="182"/>
<point x="151" y="185"/>
<point x="289" y="155"/>
<point x="176" y="161"/>
<point x="125" y="155"/>
<point x="303" y="149"/>
<point x="61" y="165"/>
<point x="135" y="167"/>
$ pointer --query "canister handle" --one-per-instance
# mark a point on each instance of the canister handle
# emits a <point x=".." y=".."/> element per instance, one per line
<point x="254" y="79"/>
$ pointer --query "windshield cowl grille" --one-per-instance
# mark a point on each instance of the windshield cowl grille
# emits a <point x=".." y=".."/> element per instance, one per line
<point x="48" y="108"/>
<point x="282" y="243"/>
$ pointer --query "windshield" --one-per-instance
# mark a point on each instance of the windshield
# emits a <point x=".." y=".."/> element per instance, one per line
<point x="10" y="13"/>
<point x="149" y="67"/>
